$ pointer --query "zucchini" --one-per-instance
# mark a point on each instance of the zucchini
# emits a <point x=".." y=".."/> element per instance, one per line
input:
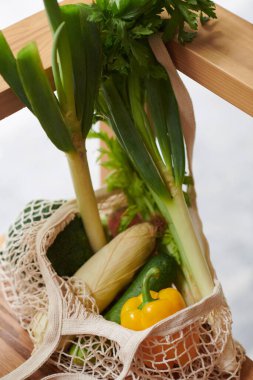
<point x="168" y="272"/>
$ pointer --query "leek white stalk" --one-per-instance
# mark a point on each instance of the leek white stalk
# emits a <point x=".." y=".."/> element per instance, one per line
<point x="194" y="265"/>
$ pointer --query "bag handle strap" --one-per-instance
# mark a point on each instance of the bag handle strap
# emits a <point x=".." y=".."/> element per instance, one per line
<point x="53" y="332"/>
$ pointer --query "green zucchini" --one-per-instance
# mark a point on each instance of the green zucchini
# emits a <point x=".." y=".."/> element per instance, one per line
<point x="168" y="271"/>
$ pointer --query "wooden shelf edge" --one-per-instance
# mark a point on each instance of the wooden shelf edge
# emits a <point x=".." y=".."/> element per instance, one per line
<point x="219" y="58"/>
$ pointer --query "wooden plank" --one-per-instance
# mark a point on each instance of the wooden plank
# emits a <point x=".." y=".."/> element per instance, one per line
<point x="221" y="58"/>
<point x="16" y="346"/>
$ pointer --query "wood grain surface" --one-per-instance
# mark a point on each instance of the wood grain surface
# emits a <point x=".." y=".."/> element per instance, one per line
<point x="15" y="345"/>
<point x="220" y="58"/>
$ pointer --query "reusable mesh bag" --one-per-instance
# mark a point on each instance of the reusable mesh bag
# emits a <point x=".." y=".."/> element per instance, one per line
<point x="194" y="343"/>
<point x="188" y="345"/>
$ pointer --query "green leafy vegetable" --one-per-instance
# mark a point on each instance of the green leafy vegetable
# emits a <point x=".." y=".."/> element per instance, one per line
<point x="137" y="100"/>
<point x="166" y="121"/>
<point x="42" y="98"/>
<point x="9" y="70"/>
<point x="140" y="200"/>
<point x="183" y="18"/>
<point x="131" y="140"/>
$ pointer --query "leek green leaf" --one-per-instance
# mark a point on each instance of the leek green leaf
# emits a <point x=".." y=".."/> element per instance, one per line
<point x="93" y="53"/>
<point x="166" y="121"/>
<point x="53" y="13"/>
<point x="86" y="54"/>
<point x="9" y="71"/>
<point x="64" y="53"/>
<point x="56" y="68"/>
<point x="44" y="103"/>
<point x="132" y="141"/>
<point x="71" y="16"/>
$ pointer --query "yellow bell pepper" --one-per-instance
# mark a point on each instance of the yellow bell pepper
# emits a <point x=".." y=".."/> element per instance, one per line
<point x="145" y="310"/>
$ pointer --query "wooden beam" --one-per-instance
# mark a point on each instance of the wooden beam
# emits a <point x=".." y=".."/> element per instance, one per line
<point x="220" y="58"/>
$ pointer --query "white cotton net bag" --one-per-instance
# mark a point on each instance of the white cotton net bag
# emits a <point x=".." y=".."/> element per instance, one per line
<point x="191" y="344"/>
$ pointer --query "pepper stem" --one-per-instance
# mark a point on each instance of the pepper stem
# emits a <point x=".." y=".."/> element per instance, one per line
<point x="146" y="296"/>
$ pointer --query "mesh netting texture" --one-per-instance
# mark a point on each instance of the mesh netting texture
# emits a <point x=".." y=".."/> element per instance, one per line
<point x="195" y="343"/>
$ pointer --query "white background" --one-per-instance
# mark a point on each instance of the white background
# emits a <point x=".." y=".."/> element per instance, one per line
<point x="30" y="167"/>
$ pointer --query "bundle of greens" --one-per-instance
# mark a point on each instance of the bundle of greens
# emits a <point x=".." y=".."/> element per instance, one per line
<point x="104" y="69"/>
<point x="137" y="100"/>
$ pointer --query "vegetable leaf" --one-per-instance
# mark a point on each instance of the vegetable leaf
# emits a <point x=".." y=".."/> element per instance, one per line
<point x="131" y="140"/>
<point x="71" y="16"/>
<point x="166" y="121"/>
<point x="93" y="64"/>
<point x="64" y="54"/>
<point x="86" y="55"/>
<point x="122" y="176"/>
<point x="55" y="67"/>
<point x="42" y="98"/>
<point x="9" y="71"/>
<point x="184" y="15"/>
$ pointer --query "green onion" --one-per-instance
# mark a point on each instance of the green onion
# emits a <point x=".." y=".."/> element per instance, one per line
<point x="67" y="116"/>
<point x="9" y="70"/>
<point x="43" y="101"/>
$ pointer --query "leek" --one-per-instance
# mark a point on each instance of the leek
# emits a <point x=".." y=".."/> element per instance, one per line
<point x="137" y="100"/>
<point x="164" y="180"/>
<point x="67" y="116"/>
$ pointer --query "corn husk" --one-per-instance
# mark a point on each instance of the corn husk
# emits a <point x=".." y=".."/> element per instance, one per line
<point x="112" y="268"/>
<point x="38" y="327"/>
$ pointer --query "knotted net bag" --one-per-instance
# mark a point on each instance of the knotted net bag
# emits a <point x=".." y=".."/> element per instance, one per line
<point x="194" y="343"/>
